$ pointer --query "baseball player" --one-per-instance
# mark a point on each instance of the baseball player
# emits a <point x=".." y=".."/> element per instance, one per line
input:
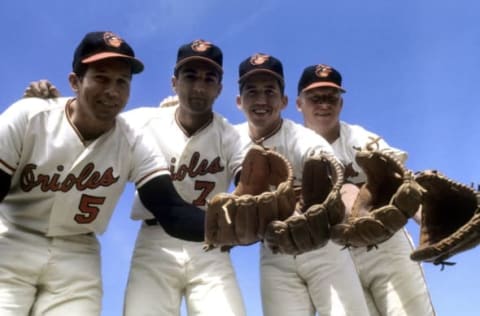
<point x="204" y="154"/>
<point x="63" y="165"/>
<point x="323" y="280"/>
<point x="392" y="283"/>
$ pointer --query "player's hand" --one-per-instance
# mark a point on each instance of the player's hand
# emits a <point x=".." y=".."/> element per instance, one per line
<point x="41" y="89"/>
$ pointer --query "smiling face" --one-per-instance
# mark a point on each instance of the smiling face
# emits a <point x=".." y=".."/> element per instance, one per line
<point x="102" y="92"/>
<point x="262" y="100"/>
<point x="321" y="109"/>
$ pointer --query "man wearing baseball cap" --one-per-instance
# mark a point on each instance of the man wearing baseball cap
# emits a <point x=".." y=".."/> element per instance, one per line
<point x="204" y="155"/>
<point x="392" y="283"/>
<point x="323" y="280"/>
<point x="63" y="166"/>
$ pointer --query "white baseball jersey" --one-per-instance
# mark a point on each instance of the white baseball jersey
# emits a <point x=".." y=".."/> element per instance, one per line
<point x="164" y="268"/>
<point x="292" y="140"/>
<point x="62" y="185"/>
<point x="353" y="137"/>
<point x="323" y="280"/>
<point x="201" y="165"/>
<point x="393" y="284"/>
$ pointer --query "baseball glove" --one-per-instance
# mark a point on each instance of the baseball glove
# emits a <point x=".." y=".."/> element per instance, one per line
<point x="320" y="207"/>
<point x="384" y="203"/>
<point x="241" y="218"/>
<point x="450" y="221"/>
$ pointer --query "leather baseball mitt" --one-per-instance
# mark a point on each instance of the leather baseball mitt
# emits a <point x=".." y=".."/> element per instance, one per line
<point x="383" y="204"/>
<point x="320" y="207"/>
<point x="450" y="218"/>
<point x="264" y="193"/>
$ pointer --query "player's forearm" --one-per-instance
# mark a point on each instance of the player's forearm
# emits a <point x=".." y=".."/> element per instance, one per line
<point x="178" y="218"/>
<point x="5" y="181"/>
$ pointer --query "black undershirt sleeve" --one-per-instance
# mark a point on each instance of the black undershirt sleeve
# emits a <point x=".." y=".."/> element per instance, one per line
<point x="177" y="217"/>
<point x="5" y="182"/>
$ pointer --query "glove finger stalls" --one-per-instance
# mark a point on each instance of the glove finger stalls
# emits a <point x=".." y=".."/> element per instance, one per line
<point x="286" y="200"/>
<point x="318" y="225"/>
<point x="370" y="231"/>
<point x="277" y="237"/>
<point x="341" y="234"/>
<point x="211" y="226"/>
<point x="267" y="211"/>
<point x="212" y="217"/>
<point x="246" y="223"/>
<point x="335" y="208"/>
<point x="408" y="198"/>
<point x="270" y="237"/>
<point x="361" y="232"/>
<point x="391" y="218"/>
<point x="425" y="254"/>
<point x="226" y="248"/>
<point x="226" y="223"/>
<point x="384" y="203"/>
<point x="300" y="235"/>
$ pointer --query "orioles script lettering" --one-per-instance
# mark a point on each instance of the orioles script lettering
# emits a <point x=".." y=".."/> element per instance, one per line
<point x="88" y="178"/>
<point x="196" y="167"/>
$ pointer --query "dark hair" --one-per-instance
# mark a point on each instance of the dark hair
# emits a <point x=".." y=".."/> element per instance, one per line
<point x="80" y="69"/>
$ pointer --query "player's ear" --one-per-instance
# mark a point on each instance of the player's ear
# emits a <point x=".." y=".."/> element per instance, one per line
<point x="298" y="103"/>
<point x="174" y="84"/>
<point x="220" y="87"/>
<point x="74" y="81"/>
<point x="239" y="102"/>
<point x="284" y="101"/>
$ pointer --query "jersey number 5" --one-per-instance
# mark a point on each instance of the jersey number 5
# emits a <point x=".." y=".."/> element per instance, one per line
<point x="88" y="211"/>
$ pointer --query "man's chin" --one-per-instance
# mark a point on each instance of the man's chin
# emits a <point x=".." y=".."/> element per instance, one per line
<point x="260" y="116"/>
<point x="324" y="118"/>
<point x="197" y="102"/>
<point x="261" y="121"/>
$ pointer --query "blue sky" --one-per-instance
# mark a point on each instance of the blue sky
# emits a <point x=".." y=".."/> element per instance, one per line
<point x="410" y="68"/>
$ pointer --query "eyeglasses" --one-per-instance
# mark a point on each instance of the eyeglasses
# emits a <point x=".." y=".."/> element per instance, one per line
<point x="326" y="98"/>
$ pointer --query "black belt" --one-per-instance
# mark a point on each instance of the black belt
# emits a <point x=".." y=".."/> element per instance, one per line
<point x="151" y="222"/>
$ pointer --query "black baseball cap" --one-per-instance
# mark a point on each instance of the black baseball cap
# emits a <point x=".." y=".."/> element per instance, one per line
<point x="96" y="46"/>
<point x="320" y="76"/>
<point x="258" y="63"/>
<point x="200" y="50"/>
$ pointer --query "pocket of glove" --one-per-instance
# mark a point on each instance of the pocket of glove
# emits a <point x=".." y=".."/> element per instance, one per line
<point x="383" y="204"/>
<point x="450" y="221"/>
<point x="234" y="219"/>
